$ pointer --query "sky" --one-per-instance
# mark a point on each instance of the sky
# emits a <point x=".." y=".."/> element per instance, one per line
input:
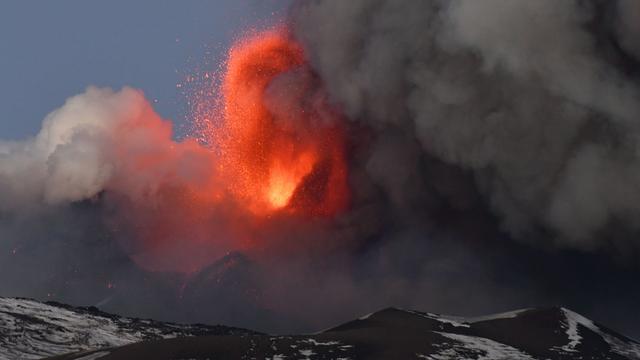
<point x="56" y="49"/>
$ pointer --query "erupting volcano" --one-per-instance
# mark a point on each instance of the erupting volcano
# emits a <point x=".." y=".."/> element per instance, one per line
<point x="282" y="147"/>
<point x="331" y="158"/>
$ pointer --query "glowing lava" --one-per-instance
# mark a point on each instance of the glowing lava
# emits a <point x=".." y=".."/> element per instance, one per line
<point x="277" y="150"/>
<point x="268" y="144"/>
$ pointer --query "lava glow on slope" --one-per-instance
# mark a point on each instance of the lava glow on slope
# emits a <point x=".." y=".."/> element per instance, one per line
<point x="281" y="146"/>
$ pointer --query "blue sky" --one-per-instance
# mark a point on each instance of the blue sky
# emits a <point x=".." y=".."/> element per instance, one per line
<point x="50" y="50"/>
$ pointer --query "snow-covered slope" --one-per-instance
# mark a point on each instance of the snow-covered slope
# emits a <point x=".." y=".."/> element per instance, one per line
<point x="555" y="333"/>
<point x="552" y="333"/>
<point x="32" y="330"/>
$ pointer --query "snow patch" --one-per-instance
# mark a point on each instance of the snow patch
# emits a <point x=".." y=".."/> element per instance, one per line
<point x="94" y="356"/>
<point x="32" y="330"/>
<point x="318" y="343"/>
<point x="504" y="315"/>
<point x="482" y="349"/>
<point x="629" y="349"/>
<point x="572" y="321"/>
<point x="307" y="353"/>
<point x="458" y="321"/>
<point x="451" y="320"/>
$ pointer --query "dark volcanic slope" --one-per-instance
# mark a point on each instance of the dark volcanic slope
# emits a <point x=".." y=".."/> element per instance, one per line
<point x="554" y="333"/>
<point x="31" y="330"/>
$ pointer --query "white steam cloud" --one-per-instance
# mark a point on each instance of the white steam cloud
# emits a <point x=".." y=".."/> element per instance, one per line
<point x="68" y="160"/>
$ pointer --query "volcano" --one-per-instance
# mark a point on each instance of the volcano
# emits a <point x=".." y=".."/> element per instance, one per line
<point x="31" y="329"/>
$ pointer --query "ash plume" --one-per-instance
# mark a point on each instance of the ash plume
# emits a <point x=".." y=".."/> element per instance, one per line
<point x="539" y="100"/>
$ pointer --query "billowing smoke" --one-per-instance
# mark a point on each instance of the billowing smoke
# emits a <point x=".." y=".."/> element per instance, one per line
<point x="113" y="143"/>
<point x="460" y="156"/>
<point x="86" y="145"/>
<point x="66" y="161"/>
<point x="539" y="100"/>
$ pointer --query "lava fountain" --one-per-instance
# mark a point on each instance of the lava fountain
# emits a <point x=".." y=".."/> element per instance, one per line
<point x="271" y="148"/>
<point x="282" y="147"/>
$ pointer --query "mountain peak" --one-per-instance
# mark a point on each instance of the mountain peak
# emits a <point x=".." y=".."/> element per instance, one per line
<point x="31" y="329"/>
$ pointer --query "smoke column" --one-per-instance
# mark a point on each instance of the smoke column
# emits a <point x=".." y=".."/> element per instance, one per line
<point x="538" y="100"/>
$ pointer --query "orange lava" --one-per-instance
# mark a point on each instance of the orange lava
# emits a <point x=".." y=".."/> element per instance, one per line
<point x="273" y="147"/>
<point x="282" y="159"/>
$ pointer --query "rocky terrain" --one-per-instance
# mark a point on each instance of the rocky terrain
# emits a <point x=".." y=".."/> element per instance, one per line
<point x="33" y="330"/>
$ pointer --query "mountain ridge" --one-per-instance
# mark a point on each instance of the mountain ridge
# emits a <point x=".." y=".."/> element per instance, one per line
<point x="30" y="330"/>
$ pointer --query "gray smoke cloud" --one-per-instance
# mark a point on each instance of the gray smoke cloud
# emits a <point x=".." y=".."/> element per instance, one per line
<point x="627" y="27"/>
<point x="524" y="94"/>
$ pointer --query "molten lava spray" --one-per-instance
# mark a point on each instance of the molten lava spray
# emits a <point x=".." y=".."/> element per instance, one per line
<point x="274" y="147"/>
<point x="282" y="148"/>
